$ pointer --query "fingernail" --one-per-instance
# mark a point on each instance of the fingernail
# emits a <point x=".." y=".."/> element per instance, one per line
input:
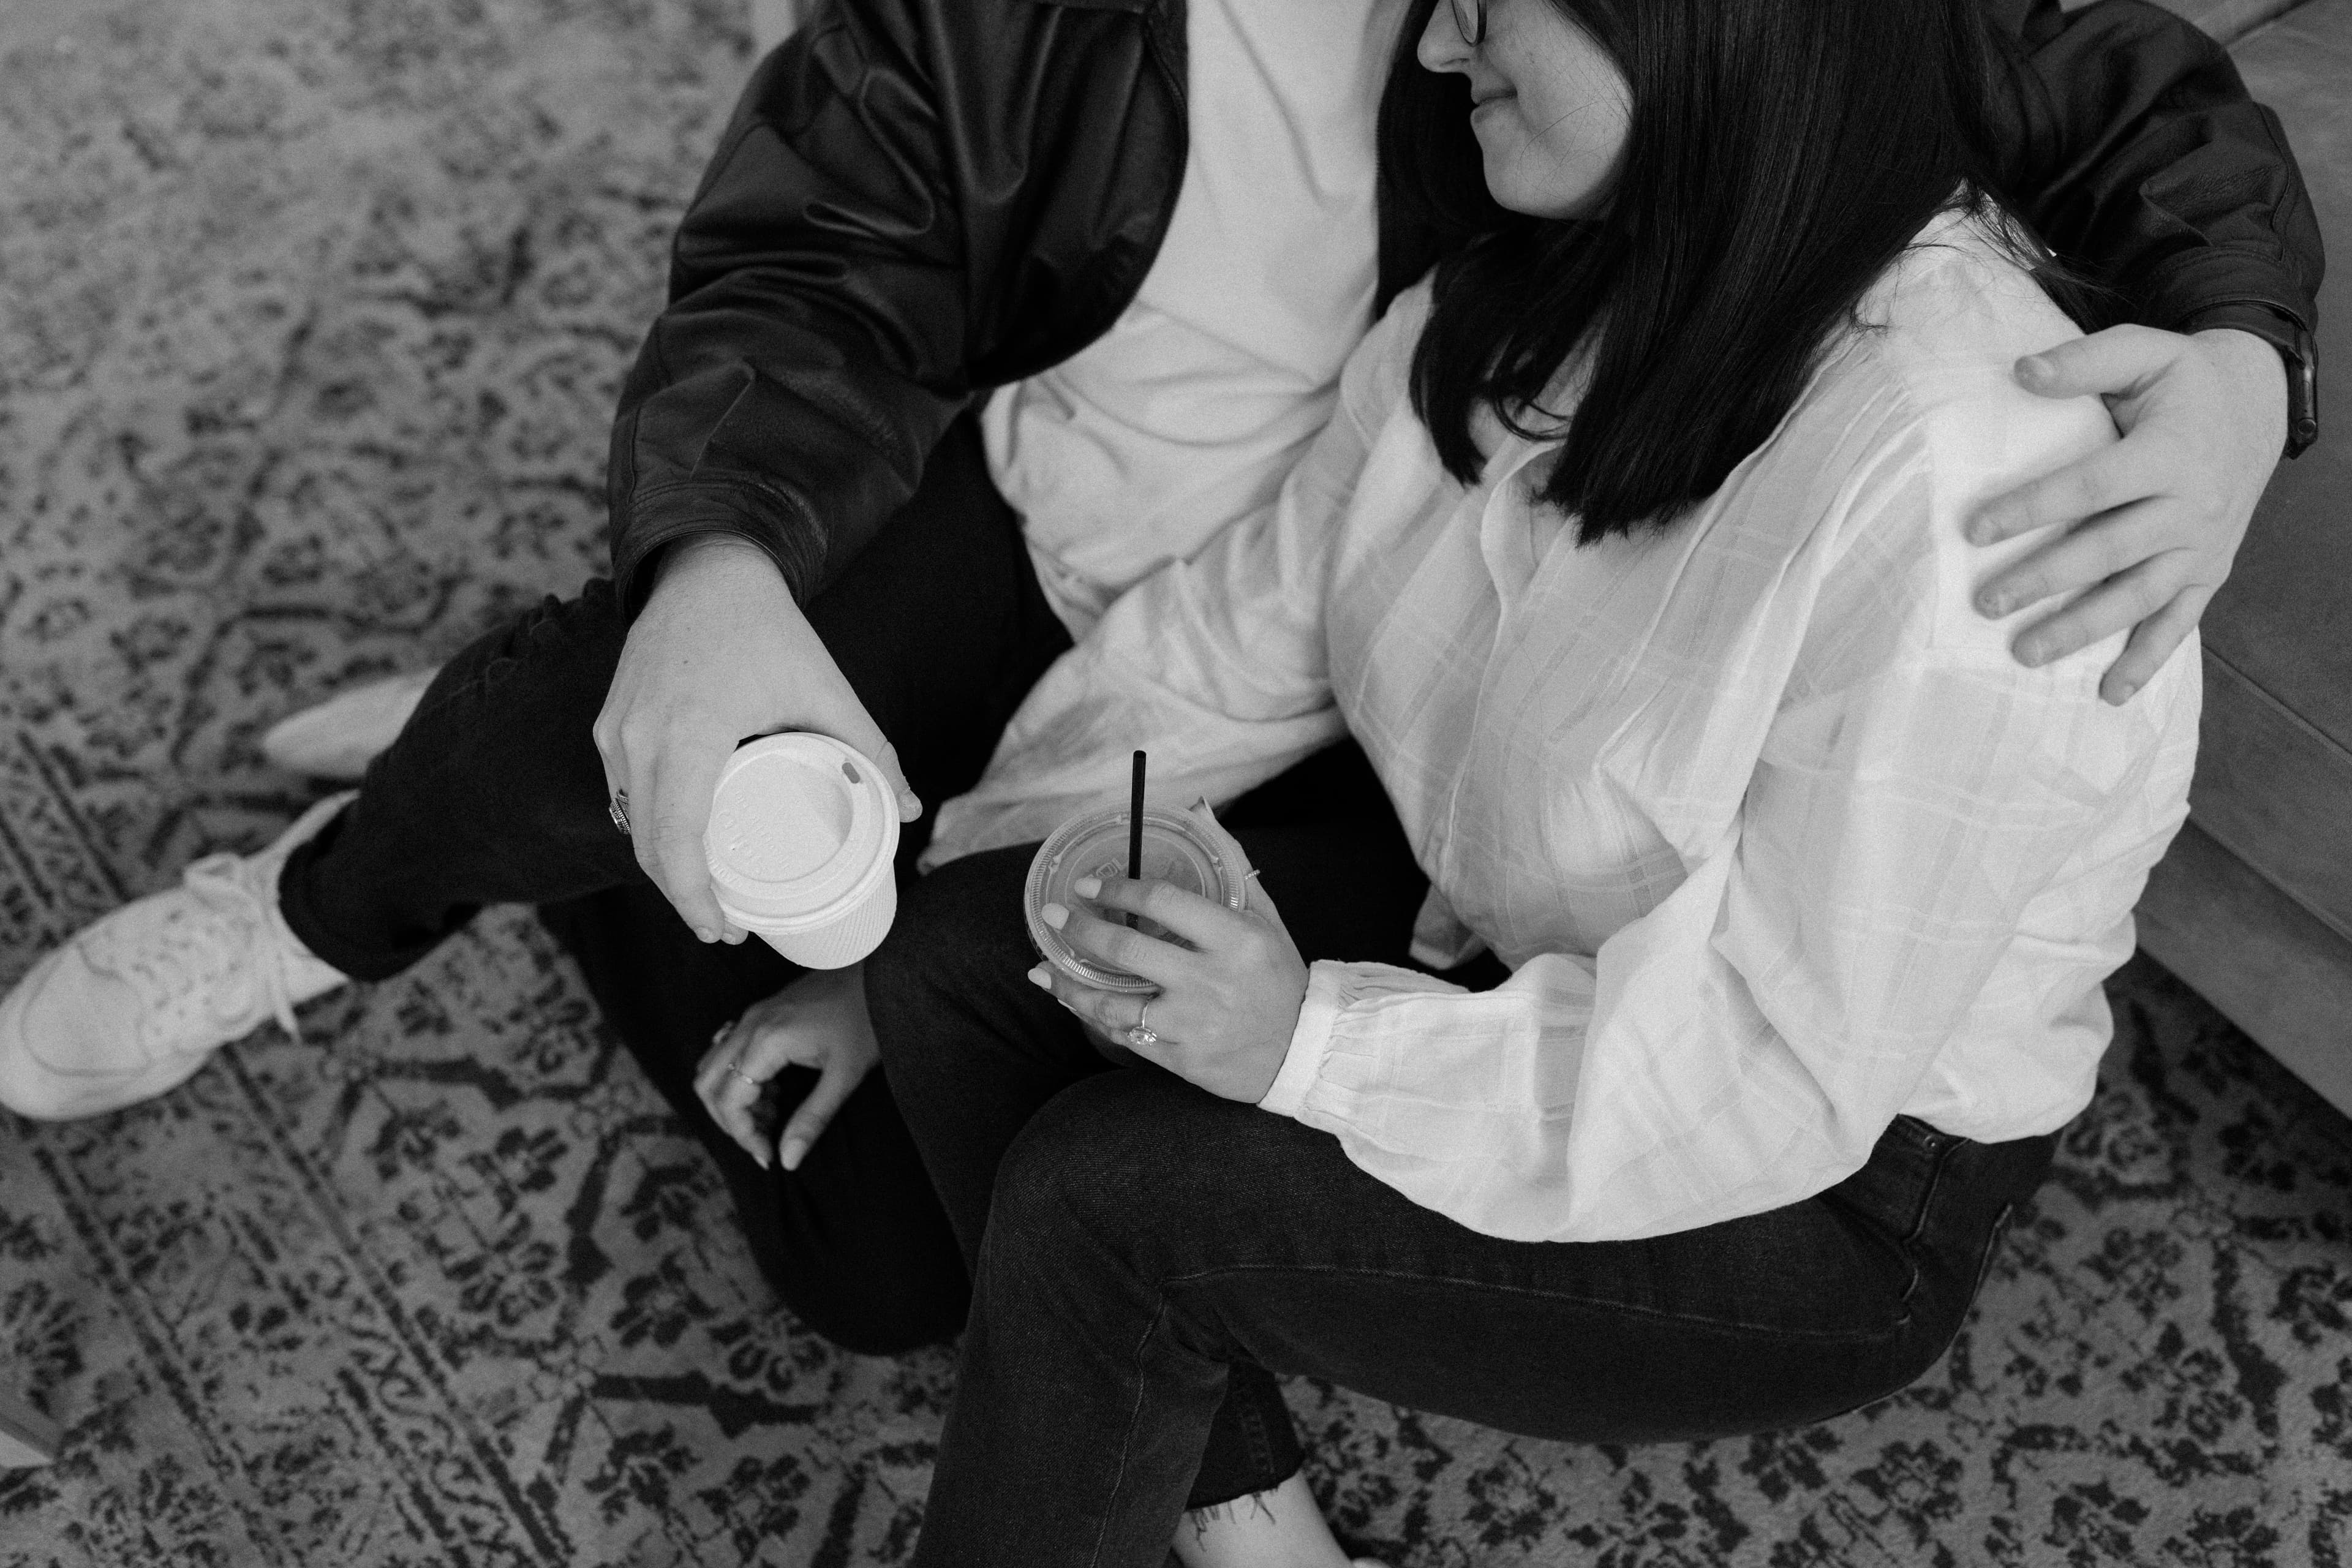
<point x="1991" y="605"/>
<point x="2031" y="653"/>
<point x="1055" y="916"/>
<point x="2123" y="693"/>
<point x="706" y="933"/>
<point x="1980" y="532"/>
<point x="1040" y="979"/>
<point x="762" y="1156"/>
<point x="911" y="805"/>
<point x="794" y="1149"/>
<point x="2033" y="367"/>
<point x="1087" y="886"/>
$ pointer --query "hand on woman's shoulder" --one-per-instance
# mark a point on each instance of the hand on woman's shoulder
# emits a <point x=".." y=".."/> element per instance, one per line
<point x="1949" y="321"/>
<point x="1938" y="339"/>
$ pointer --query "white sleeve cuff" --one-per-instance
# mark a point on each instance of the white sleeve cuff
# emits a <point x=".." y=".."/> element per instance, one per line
<point x="1309" y="1042"/>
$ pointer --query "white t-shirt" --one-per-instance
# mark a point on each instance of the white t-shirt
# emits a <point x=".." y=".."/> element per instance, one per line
<point x="1189" y="411"/>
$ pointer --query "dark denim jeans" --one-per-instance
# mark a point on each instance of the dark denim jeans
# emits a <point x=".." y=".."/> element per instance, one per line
<point x="494" y="793"/>
<point x="972" y="1050"/>
<point x="1151" y="1254"/>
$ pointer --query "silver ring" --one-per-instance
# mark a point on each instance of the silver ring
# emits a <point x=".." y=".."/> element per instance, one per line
<point x="1140" y="1033"/>
<point x="735" y="1071"/>
<point x="618" y="808"/>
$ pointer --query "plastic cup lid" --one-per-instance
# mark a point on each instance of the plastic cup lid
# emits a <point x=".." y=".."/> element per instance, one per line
<point x="1177" y="849"/>
<point x="802" y="827"/>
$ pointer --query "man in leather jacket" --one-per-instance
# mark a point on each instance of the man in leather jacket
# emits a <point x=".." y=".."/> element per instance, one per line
<point x="850" y="275"/>
<point x="919" y="200"/>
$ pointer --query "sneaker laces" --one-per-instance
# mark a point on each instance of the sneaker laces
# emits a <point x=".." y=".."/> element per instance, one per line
<point x="222" y="939"/>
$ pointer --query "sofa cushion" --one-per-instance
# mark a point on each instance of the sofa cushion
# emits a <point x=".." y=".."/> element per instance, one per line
<point x="2275" y="779"/>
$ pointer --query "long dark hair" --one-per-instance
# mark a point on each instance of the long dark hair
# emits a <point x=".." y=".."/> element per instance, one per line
<point x="1782" y="154"/>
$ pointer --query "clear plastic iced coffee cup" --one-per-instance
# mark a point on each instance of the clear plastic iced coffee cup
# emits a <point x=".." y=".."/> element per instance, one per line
<point x="1184" y="848"/>
<point x="803" y="831"/>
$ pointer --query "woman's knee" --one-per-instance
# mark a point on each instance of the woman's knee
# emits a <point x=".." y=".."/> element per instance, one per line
<point x="1126" y="1161"/>
<point x="966" y="906"/>
<point x="1062" y="1178"/>
<point x="957" y="942"/>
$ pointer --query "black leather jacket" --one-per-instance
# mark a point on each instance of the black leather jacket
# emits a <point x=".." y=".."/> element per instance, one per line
<point x="919" y="199"/>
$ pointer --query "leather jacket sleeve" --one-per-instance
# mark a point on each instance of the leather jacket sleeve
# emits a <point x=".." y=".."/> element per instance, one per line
<point x="787" y="384"/>
<point x="913" y="198"/>
<point x="2141" y="159"/>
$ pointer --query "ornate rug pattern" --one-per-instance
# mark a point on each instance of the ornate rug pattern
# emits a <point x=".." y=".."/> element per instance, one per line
<point x="310" y="317"/>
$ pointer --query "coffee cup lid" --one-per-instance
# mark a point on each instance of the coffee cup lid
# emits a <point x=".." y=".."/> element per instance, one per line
<point x="801" y="827"/>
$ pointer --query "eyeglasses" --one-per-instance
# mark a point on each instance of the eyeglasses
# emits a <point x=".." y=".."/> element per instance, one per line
<point x="1470" y="17"/>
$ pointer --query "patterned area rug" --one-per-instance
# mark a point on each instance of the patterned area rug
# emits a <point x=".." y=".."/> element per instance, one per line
<point x="312" y="317"/>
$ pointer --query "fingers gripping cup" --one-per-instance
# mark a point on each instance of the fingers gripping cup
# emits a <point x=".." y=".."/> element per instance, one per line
<point x="1182" y="849"/>
<point x="802" y="834"/>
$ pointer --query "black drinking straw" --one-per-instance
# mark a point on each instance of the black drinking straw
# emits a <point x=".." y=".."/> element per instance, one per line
<point x="1135" y="830"/>
<point x="1135" y="825"/>
<point x="1134" y="833"/>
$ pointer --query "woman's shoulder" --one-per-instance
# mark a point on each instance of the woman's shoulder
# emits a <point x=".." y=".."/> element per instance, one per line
<point x="1921" y="392"/>
<point x="1917" y="419"/>
<point x="1944" y="328"/>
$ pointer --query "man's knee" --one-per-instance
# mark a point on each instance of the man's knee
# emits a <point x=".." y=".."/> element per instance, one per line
<point x="580" y="637"/>
<point x="553" y="662"/>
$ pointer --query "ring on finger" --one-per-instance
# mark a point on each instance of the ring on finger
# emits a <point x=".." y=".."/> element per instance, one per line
<point x="735" y="1069"/>
<point x="618" y="808"/>
<point x="1141" y="1034"/>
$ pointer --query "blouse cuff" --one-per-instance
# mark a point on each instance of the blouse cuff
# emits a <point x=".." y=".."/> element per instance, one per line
<point x="1311" y="1041"/>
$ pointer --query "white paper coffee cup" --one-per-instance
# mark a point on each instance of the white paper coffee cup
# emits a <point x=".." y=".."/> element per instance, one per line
<point x="803" y="831"/>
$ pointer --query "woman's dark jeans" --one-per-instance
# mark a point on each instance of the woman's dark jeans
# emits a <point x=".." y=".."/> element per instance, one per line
<point x="972" y="1050"/>
<point x="494" y="793"/>
<point x="1150" y="1255"/>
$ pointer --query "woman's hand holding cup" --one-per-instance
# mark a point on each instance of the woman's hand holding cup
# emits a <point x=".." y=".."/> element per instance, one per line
<point x="1227" y="1004"/>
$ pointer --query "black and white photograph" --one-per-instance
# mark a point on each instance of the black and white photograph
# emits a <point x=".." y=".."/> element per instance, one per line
<point x="1175" y="784"/>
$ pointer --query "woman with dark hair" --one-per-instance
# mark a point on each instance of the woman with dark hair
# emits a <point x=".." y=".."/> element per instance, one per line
<point x="1656" y="1034"/>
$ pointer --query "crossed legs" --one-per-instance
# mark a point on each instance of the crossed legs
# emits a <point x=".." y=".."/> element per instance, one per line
<point x="1150" y="1256"/>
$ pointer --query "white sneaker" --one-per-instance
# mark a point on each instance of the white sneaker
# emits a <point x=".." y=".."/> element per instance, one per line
<point x="337" y="739"/>
<point x="133" y="1004"/>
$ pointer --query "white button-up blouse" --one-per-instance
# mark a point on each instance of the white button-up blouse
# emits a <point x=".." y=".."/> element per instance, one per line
<point x="1777" y="838"/>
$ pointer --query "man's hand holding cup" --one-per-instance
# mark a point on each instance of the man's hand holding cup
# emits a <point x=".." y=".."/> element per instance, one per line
<point x="720" y="652"/>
